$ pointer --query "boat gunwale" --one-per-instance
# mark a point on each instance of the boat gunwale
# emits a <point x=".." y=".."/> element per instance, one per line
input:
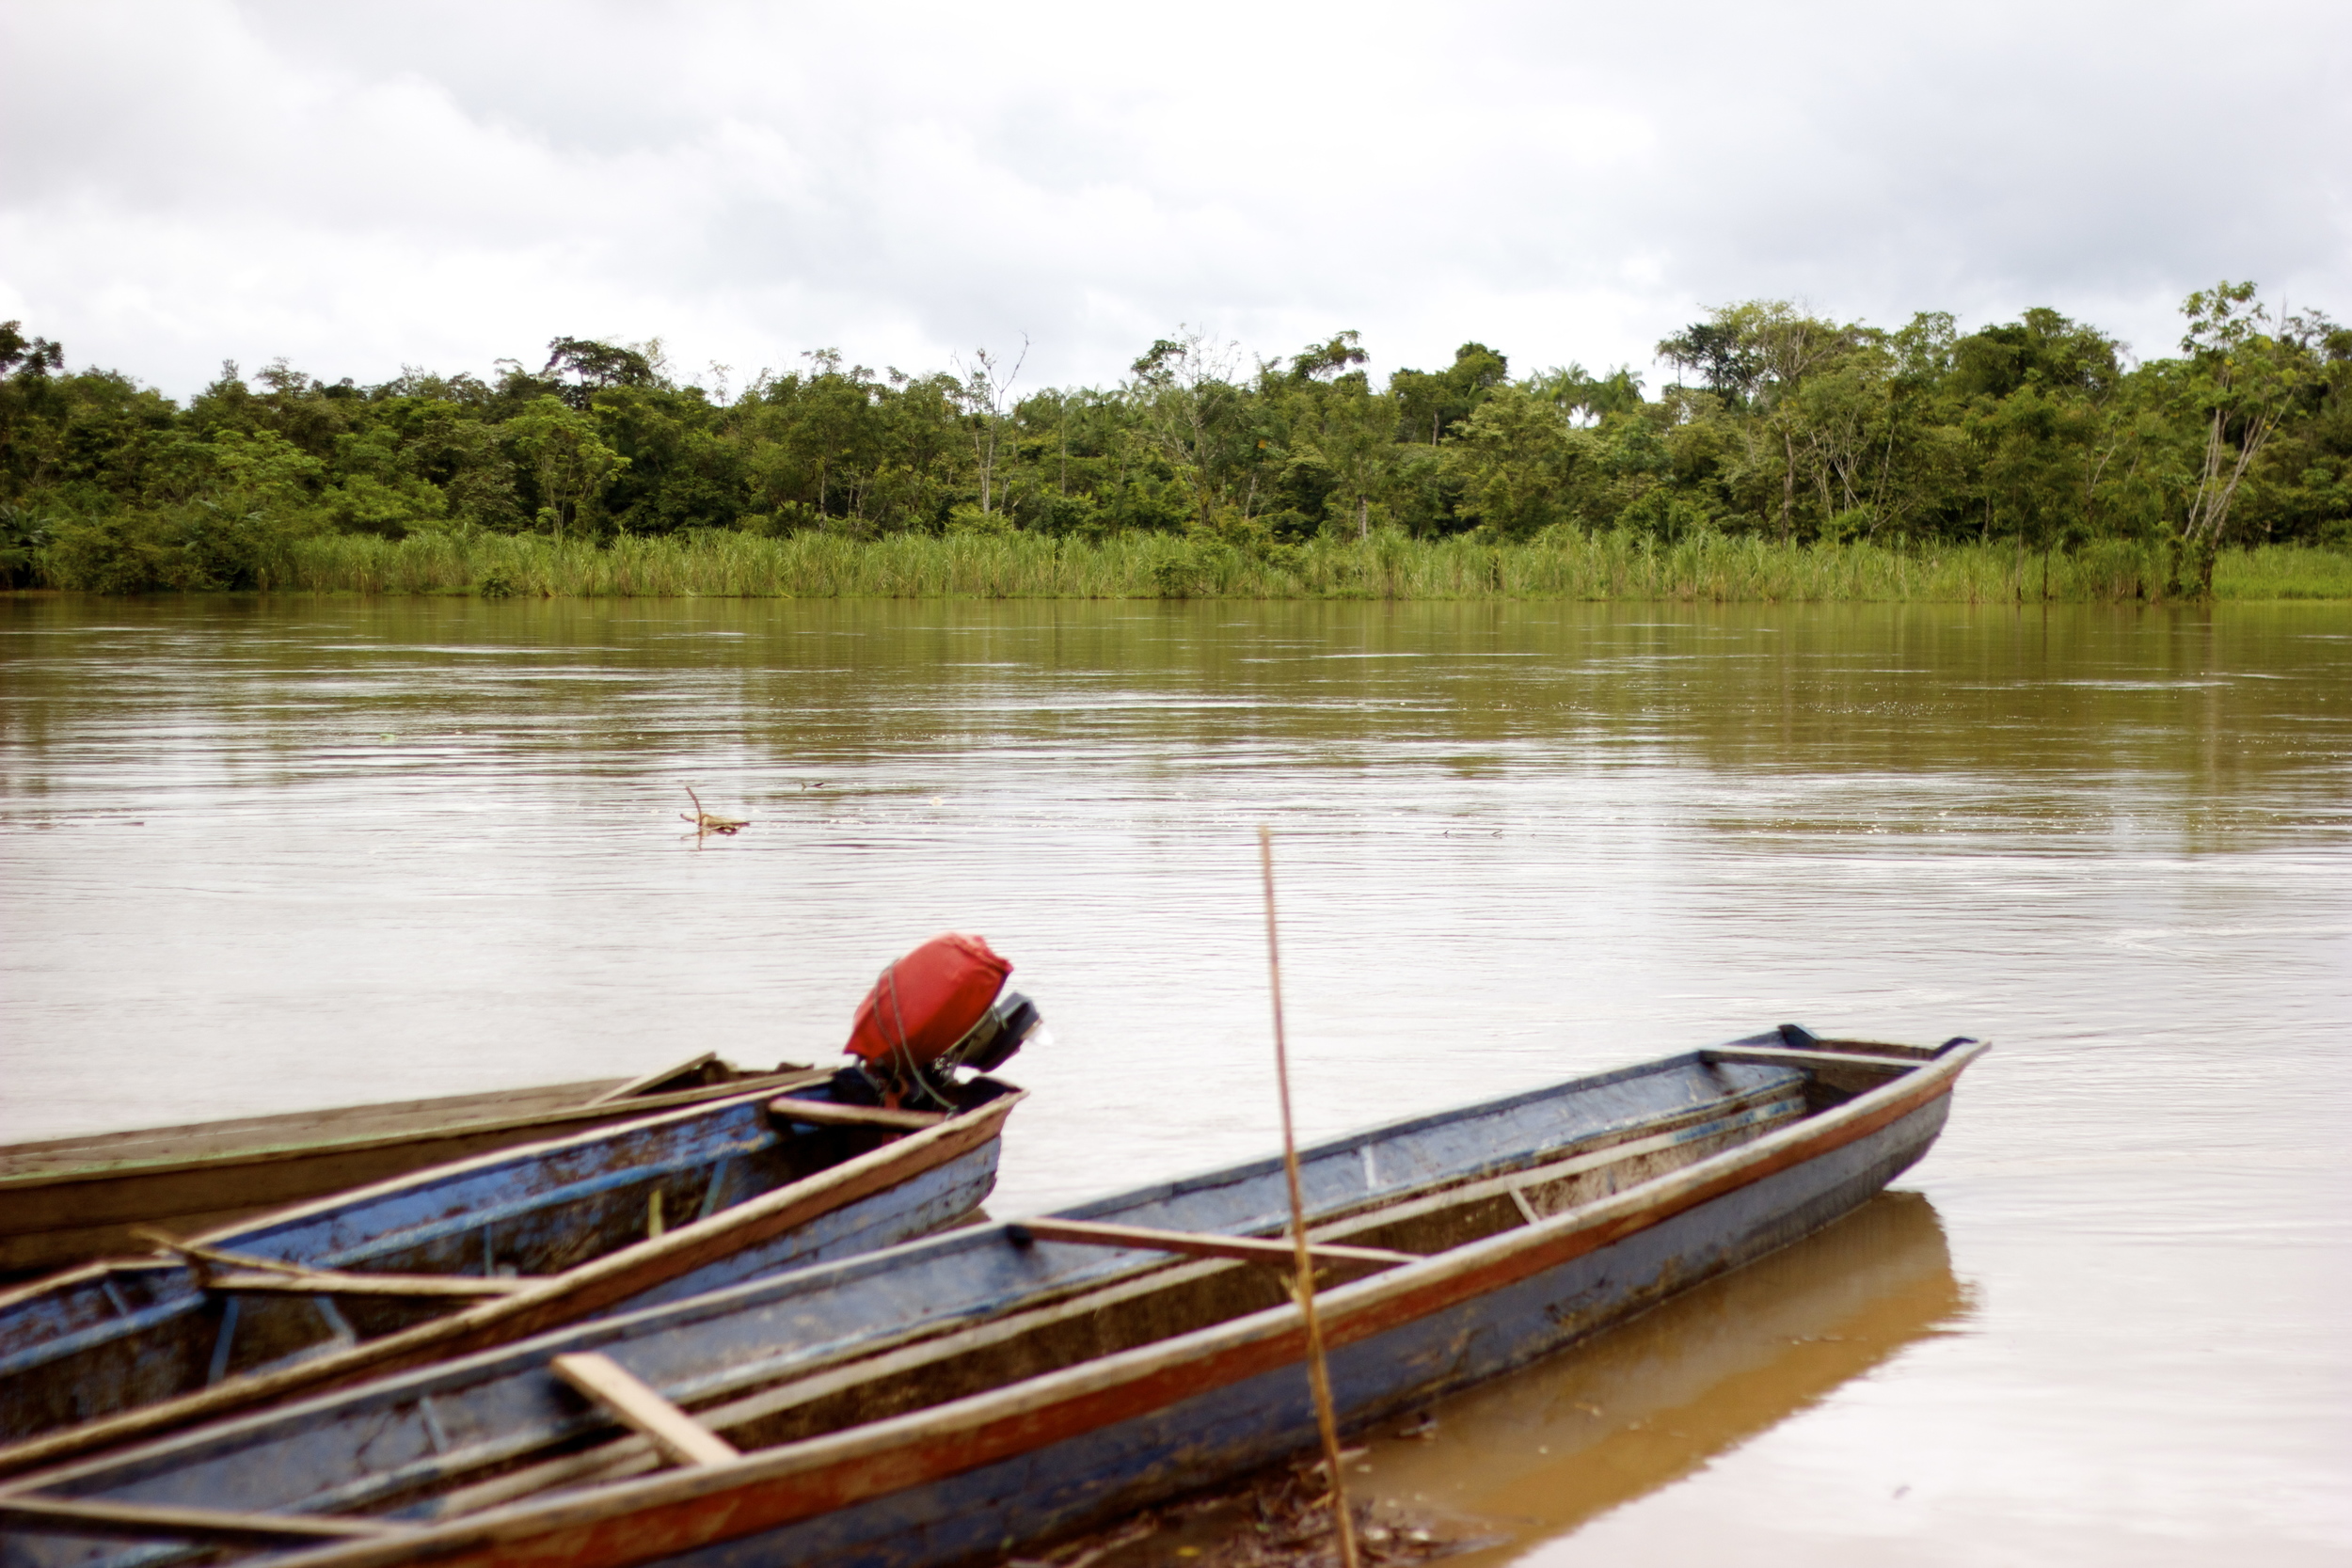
<point x="228" y="1126"/>
<point x="1236" y="1348"/>
<point x="604" y="1110"/>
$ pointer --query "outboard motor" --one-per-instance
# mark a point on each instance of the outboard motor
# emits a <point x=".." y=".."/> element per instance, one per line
<point x="934" y="1010"/>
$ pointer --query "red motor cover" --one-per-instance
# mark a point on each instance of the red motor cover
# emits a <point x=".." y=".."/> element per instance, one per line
<point x="927" y="1000"/>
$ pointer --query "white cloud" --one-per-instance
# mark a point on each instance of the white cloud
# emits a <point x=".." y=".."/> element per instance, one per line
<point x="358" y="187"/>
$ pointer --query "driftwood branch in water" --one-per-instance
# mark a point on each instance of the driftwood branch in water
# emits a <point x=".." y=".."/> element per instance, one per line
<point x="705" y="822"/>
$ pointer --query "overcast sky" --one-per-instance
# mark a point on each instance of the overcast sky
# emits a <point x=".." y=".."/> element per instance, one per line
<point x="358" y="187"/>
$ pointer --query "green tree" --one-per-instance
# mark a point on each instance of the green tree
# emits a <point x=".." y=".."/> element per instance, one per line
<point x="1436" y="401"/>
<point x="570" y="465"/>
<point x="1524" y="467"/>
<point x="2244" y="373"/>
<point x="984" y="396"/>
<point x="1189" y="411"/>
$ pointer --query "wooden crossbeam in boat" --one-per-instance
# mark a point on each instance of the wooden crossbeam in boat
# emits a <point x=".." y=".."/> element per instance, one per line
<point x="1767" y="1056"/>
<point x="269" y="1276"/>
<point x="824" y="1113"/>
<point x="684" y="1439"/>
<point x="334" y="1282"/>
<point x="142" y="1521"/>
<point x="1251" y="1249"/>
<point x="653" y="1081"/>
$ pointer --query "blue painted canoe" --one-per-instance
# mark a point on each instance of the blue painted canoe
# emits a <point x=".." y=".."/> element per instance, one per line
<point x="478" y="1252"/>
<point x="74" y="1201"/>
<point x="955" y="1397"/>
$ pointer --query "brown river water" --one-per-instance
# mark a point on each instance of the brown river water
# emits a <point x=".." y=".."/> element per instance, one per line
<point x="259" y="856"/>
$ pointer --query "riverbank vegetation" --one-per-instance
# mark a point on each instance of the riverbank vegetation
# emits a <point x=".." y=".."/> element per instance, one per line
<point x="1611" y="565"/>
<point x="1790" y="457"/>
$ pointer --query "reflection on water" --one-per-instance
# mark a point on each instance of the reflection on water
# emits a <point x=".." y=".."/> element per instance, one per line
<point x="1647" y="1404"/>
<point x="267" y="855"/>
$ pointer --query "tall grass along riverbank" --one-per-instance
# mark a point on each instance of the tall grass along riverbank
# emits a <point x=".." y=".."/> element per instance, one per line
<point x="1388" y="566"/>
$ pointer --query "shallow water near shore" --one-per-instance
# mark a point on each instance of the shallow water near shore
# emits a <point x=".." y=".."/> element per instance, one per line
<point x="262" y="855"/>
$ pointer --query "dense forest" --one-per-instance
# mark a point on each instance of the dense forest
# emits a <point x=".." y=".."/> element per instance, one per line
<point x="2043" y="433"/>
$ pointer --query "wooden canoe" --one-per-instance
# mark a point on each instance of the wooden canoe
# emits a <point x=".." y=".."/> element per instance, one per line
<point x="479" y="1253"/>
<point x="71" y="1200"/>
<point x="953" y="1398"/>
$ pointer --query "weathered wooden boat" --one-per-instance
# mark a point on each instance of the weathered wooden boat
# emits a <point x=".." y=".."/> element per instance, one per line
<point x="478" y="1252"/>
<point x="952" y="1398"/>
<point x="69" y="1200"/>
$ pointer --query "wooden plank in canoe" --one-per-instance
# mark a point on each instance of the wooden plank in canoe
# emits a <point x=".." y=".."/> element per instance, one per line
<point x="1844" y="1071"/>
<point x="213" y="1526"/>
<point x="685" y="1440"/>
<point x="1248" y="1249"/>
<point x="331" y="1282"/>
<point x="668" y="1077"/>
<point x="252" y="1275"/>
<point x="824" y="1113"/>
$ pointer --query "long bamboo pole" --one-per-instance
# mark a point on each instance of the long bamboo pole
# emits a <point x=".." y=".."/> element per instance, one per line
<point x="1318" y="1376"/>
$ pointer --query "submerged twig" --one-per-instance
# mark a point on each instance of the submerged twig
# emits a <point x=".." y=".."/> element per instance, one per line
<point x="706" y="822"/>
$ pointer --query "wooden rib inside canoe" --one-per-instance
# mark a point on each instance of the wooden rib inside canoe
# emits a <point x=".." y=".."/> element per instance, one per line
<point x="818" y="1113"/>
<point x="213" y="1526"/>
<point x="396" y="1287"/>
<point x="1835" y="1071"/>
<point x="267" y="1275"/>
<point x="1190" y="1243"/>
<point x="690" y="1074"/>
<point x="676" y="1435"/>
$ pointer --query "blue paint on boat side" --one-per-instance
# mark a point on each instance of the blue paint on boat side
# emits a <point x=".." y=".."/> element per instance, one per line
<point x="482" y="1218"/>
<point x="96" y="1333"/>
<point x="343" y="1448"/>
<point x="422" y="1210"/>
<point x="915" y="1207"/>
<point x="1085" y="1479"/>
